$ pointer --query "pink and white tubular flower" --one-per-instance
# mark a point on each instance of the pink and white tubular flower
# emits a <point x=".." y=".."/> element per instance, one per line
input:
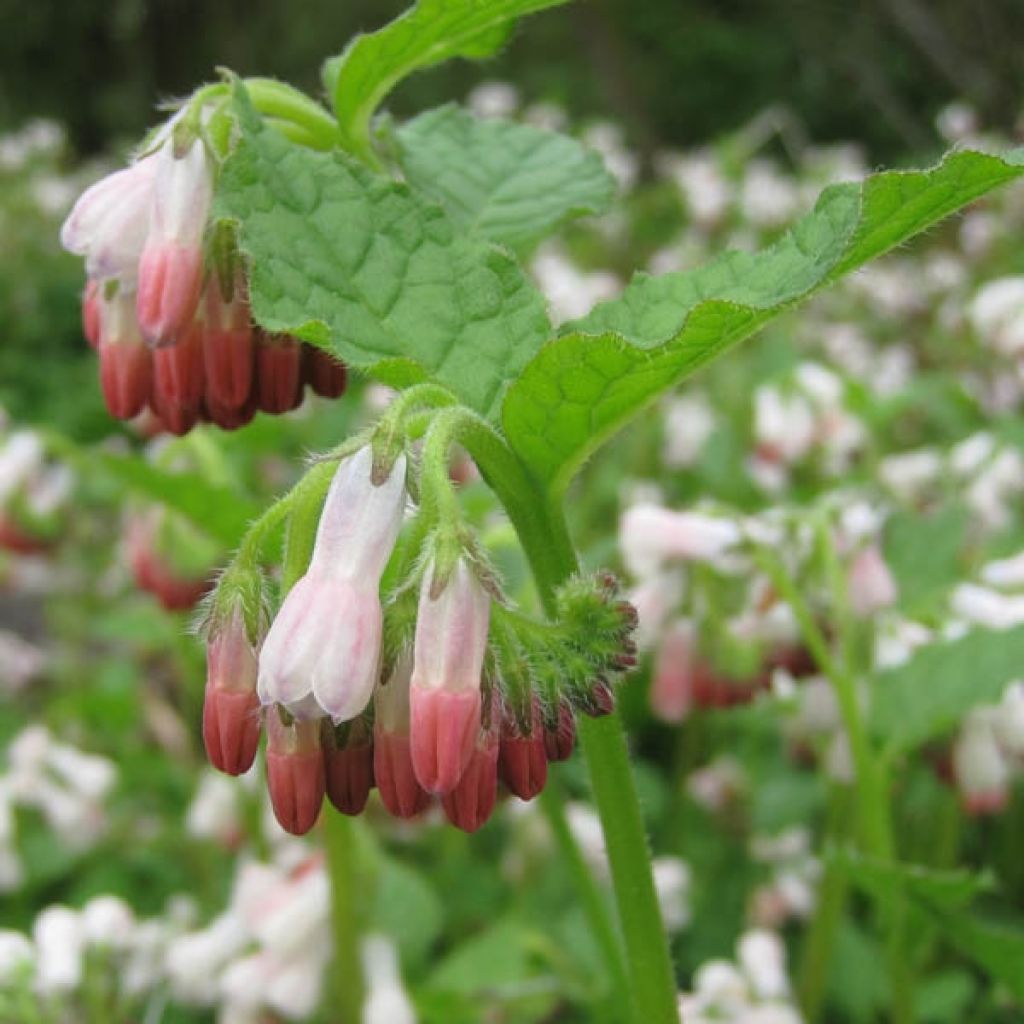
<point x="393" y="772"/>
<point x="451" y="640"/>
<point x="322" y="652"/>
<point x="171" y="262"/>
<point x="109" y="223"/>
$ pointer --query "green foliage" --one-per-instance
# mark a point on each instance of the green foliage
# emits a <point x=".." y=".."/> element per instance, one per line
<point x="929" y="694"/>
<point x="356" y="263"/>
<point x="508" y="182"/>
<point x="431" y="32"/>
<point x="584" y="386"/>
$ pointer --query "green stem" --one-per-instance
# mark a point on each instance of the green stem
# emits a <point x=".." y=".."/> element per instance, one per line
<point x="346" y="974"/>
<point x="820" y="940"/>
<point x="552" y="803"/>
<point x="540" y="524"/>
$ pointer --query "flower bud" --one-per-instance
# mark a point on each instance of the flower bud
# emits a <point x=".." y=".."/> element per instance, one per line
<point x="981" y="770"/>
<point x="399" y="789"/>
<point x="321" y="654"/>
<point x="125" y="362"/>
<point x="171" y="264"/>
<point x="295" y="772"/>
<point x="522" y="759"/>
<point x="231" y="708"/>
<point x="871" y="582"/>
<point x="178" y="383"/>
<point x="278" y="372"/>
<point x="560" y="735"/>
<point x="348" y="759"/>
<point x="324" y="374"/>
<point x="228" y="351"/>
<point x="470" y="803"/>
<point x="451" y="640"/>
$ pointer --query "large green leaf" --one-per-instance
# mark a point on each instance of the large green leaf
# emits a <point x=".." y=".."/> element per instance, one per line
<point x="582" y="387"/>
<point x="998" y="948"/>
<point x="929" y="694"/>
<point x="509" y="182"/>
<point x="429" y="33"/>
<point x="360" y="265"/>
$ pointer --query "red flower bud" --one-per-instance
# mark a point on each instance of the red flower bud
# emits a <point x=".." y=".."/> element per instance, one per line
<point x="295" y="772"/>
<point x="278" y="372"/>
<point x="324" y="374"/>
<point x="522" y="760"/>
<point x="349" y="768"/>
<point x="231" y="709"/>
<point x="470" y="804"/>
<point x="560" y="740"/>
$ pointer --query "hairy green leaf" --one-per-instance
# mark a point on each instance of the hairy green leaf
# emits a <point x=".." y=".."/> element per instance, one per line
<point x="928" y="695"/>
<point x="583" y="386"/>
<point x="360" y="265"/>
<point x="429" y="33"/>
<point x="509" y="182"/>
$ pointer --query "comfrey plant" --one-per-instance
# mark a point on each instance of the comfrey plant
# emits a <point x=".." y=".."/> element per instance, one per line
<point x="260" y="240"/>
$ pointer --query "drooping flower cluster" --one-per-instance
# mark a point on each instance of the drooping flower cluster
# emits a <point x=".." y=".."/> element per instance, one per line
<point x="166" y="300"/>
<point x="432" y="706"/>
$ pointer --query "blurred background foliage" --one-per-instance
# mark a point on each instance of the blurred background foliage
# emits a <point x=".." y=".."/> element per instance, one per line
<point x="676" y="72"/>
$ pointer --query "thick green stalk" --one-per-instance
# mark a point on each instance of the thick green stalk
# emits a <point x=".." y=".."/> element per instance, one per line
<point x="552" y="803"/>
<point x="540" y="524"/>
<point x="346" y="971"/>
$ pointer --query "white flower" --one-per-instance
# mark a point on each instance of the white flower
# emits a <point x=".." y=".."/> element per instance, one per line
<point x="17" y="956"/>
<point x="689" y="422"/>
<point x="672" y="878"/>
<point x="762" y="956"/>
<point x="59" y="938"/>
<point x="108" y="921"/>
<point x="386" y="999"/>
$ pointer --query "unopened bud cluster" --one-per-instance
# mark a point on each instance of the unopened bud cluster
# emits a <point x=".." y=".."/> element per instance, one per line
<point x="166" y="300"/>
<point x="462" y="695"/>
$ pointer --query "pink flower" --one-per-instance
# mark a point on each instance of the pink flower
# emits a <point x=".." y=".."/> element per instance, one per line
<point x="348" y="762"/>
<point x="522" y="759"/>
<point x="470" y="803"/>
<point x="673" y="681"/>
<point x="231" y="709"/>
<point x="125" y="363"/>
<point x="228" y="350"/>
<point x="399" y="789"/>
<point x="322" y="652"/>
<point x="295" y="772"/>
<point x="171" y="262"/>
<point x="109" y="223"/>
<point x="451" y="640"/>
<point x="871" y="583"/>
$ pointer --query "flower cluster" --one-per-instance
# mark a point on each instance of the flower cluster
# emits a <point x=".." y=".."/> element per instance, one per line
<point x="166" y="301"/>
<point x="442" y="697"/>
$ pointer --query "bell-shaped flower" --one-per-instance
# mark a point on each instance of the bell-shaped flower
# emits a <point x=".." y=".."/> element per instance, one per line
<point x="125" y="362"/>
<point x="397" y="784"/>
<point x="348" y="762"/>
<point x="178" y="380"/>
<point x="109" y="223"/>
<point x="278" y="372"/>
<point x="171" y="263"/>
<point x="674" y="676"/>
<point x="470" y="803"/>
<point x="451" y="640"/>
<point x="227" y="345"/>
<point x="295" y="772"/>
<point x="322" y="653"/>
<point x="522" y="758"/>
<point x="231" y="708"/>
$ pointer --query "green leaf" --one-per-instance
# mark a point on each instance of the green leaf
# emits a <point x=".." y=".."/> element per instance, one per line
<point x="885" y="881"/>
<point x="493" y="959"/>
<point x="429" y="33"/>
<point x="508" y="182"/>
<point x="219" y="511"/>
<point x="925" y="553"/>
<point x="582" y="387"/>
<point x="360" y="265"/>
<point x="997" y="947"/>
<point x="929" y="694"/>
<point x="408" y="909"/>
